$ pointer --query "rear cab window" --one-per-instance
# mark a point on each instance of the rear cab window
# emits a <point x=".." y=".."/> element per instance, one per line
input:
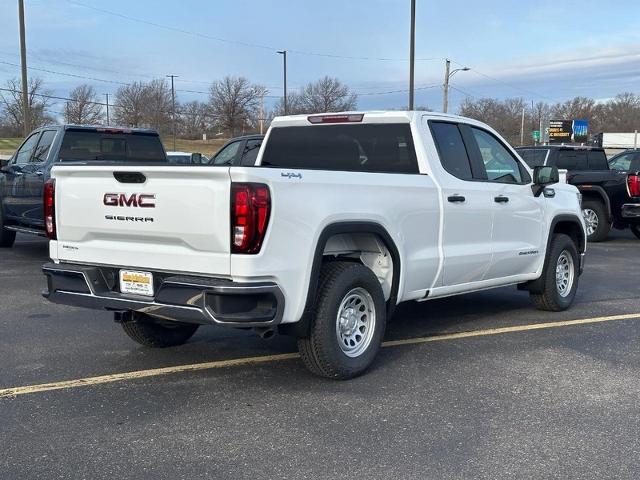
<point x="572" y="160"/>
<point x="597" y="160"/>
<point x="534" y="157"/>
<point x="111" y="146"/>
<point x="375" y="148"/>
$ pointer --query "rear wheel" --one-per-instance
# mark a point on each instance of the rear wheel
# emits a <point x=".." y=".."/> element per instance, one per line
<point x="560" y="276"/>
<point x="348" y="324"/>
<point x="7" y="237"/>
<point x="595" y="216"/>
<point x="635" y="229"/>
<point x="152" y="333"/>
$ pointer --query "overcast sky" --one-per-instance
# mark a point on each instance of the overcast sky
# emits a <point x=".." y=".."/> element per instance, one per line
<point x="539" y="50"/>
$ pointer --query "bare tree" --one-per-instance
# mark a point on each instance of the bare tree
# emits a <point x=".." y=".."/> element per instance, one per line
<point x="235" y="102"/>
<point x="505" y="116"/>
<point x="157" y="111"/>
<point x="12" y="106"/>
<point x="621" y="114"/>
<point x="129" y="105"/>
<point x="195" y="119"/>
<point x="325" y="95"/>
<point x="84" y="107"/>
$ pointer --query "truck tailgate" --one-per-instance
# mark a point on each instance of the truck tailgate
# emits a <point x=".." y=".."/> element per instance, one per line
<point x="176" y="219"/>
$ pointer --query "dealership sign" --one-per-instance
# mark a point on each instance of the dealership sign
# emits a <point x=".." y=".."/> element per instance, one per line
<point x="568" y="131"/>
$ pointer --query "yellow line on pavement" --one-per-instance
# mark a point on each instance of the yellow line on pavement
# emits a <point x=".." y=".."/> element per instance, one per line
<point x="153" y="372"/>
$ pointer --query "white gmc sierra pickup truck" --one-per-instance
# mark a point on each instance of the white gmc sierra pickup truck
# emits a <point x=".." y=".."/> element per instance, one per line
<point x="343" y="217"/>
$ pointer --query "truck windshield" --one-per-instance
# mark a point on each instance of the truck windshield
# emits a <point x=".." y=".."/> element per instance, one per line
<point x="93" y="145"/>
<point x="356" y="148"/>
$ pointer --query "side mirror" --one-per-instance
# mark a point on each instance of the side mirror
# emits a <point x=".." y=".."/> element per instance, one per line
<point x="196" y="158"/>
<point x="4" y="164"/>
<point x="545" y="175"/>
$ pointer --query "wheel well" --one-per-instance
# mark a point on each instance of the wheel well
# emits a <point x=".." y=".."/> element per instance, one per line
<point x="573" y="230"/>
<point x="368" y="249"/>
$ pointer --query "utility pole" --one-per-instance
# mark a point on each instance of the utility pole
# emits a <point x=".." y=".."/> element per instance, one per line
<point x="284" y="55"/>
<point x="445" y="90"/>
<point x="412" y="53"/>
<point x="26" y="108"/>
<point x="522" y="128"/>
<point x="173" y="110"/>
<point x="261" y="112"/>
<point x="107" y="95"/>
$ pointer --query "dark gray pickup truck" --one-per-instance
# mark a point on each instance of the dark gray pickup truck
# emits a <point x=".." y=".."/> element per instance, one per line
<point x="23" y="176"/>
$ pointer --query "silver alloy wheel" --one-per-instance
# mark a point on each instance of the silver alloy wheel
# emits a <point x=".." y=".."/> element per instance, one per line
<point x="565" y="273"/>
<point x="591" y="219"/>
<point x="355" y="322"/>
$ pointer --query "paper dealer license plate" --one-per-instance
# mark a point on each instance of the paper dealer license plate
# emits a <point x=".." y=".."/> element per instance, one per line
<point x="137" y="283"/>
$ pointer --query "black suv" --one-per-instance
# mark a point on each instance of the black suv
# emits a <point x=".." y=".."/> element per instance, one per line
<point x="609" y="196"/>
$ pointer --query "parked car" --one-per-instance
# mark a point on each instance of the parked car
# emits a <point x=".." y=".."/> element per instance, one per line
<point x="609" y="198"/>
<point x="23" y="176"/>
<point x="187" y="158"/>
<point x="239" y="151"/>
<point x="343" y="217"/>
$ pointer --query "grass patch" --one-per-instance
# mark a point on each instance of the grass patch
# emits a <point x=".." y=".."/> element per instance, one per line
<point x="9" y="145"/>
<point x="208" y="147"/>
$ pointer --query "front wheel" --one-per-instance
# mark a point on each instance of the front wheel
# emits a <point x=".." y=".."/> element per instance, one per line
<point x="152" y="333"/>
<point x="635" y="229"/>
<point x="348" y="324"/>
<point x="560" y="276"/>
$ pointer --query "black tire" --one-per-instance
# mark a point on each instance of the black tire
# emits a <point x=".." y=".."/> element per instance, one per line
<point x="321" y="351"/>
<point x="151" y="333"/>
<point x="550" y="298"/>
<point x="7" y="237"/>
<point x="603" y="225"/>
<point x="635" y="229"/>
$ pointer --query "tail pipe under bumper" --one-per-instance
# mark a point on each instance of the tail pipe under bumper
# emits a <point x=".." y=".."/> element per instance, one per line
<point x="180" y="298"/>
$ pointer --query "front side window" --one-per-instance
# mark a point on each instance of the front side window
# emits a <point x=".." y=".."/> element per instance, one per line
<point x="42" y="150"/>
<point x="622" y="162"/>
<point x="227" y="154"/>
<point x="451" y="148"/>
<point x="500" y="164"/>
<point x="23" y="156"/>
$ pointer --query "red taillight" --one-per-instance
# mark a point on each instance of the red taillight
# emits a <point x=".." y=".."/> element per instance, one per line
<point x="250" y="207"/>
<point x="633" y="183"/>
<point x="49" y="199"/>
<point x="350" y="118"/>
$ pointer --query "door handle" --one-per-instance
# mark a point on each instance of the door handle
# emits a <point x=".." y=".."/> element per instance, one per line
<point x="501" y="199"/>
<point x="456" y="198"/>
<point x="39" y="173"/>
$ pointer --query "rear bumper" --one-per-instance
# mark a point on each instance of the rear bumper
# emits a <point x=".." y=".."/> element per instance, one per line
<point x="190" y="299"/>
<point x="631" y="211"/>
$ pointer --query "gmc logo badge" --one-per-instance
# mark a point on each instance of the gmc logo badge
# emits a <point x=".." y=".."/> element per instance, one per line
<point x="142" y="200"/>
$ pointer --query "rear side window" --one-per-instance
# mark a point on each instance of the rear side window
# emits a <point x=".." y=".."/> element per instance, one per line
<point x="451" y="148"/>
<point x="91" y="145"/>
<point x="597" y="160"/>
<point x="534" y="158"/>
<point x="572" y="160"/>
<point x="356" y="148"/>
<point x="42" y="150"/>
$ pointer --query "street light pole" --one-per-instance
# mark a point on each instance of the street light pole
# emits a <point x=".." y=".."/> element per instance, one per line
<point x="173" y="110"/>
<point x="447" y="77"/>
<point x="107" y="95"/>
<point x="26" y="110"/>
<point x="412" y="53"/>
<point x="284" y="55"/>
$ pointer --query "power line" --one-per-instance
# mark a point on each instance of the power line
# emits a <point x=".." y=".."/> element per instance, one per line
<point x="237" y="42"/>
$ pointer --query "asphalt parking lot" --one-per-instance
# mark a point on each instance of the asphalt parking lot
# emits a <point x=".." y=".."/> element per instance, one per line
<point x="475" y="392"/>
